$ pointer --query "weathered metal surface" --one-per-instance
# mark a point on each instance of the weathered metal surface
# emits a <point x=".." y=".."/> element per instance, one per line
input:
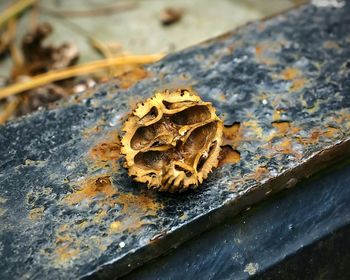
<point x="67" y="207"/>
<point x="300" y="233"/>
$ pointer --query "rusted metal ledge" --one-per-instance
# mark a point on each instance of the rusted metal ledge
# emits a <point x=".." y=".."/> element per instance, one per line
<point x="299" y="233"/>
<point x="68" y="208"/>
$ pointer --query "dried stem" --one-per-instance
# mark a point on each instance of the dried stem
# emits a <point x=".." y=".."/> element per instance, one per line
<point x="98" y="11"/>
<point x="16" y="54"/>
<point x="73" y="71"/>
<point x="14" y="10"/>
<point x="9" y="109"/>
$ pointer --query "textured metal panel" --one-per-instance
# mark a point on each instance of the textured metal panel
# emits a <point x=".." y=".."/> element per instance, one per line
<point x="300" y="233"/>
<point x="67" y="207"/>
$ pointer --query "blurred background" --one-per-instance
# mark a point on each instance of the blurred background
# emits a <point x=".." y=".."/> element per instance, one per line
<point x="41" y="41"/>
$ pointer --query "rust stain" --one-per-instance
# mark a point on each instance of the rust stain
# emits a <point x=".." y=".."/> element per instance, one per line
<point x="115" y="226"/>
<point x="232" y="135"/>
<point x="71" y="243"/>
<point x="135" y="211"/>
<point x="290" y="73"/>
<point x="343" y="119"/>
<point x="237" y="133"/>
<point x="89" y="131"/>
<point x="284" y="128"/>
<point x="143" y="203"/>
<point x="331" y="132"/>
<point x="130" y="78"/>
<point x="36" y="213"/>
<point x="283" y="139"/>
<point x="252" y="128"/>
<point x="91" y="188"/>
<point x="295" y="76"/>
<point x="258" y="50"/>
<point x="65" y="250"/>
<point x="222" y="97"/>
<point x="135" y="207"/>
<point x="297" y="85"/>
<point x="277" y="114"/>
<point x="70" y="239"/>
<point x="285" y="132"/>
<point x="263" y="53"/>
<point x="231" y="132"/>
<point x="328" y="132"/>
<point x="106" y="152"/>
<point x="285" y="147"/>
<point x="313" y="139"/>
<point x="65" y="253"/>
<point x="228" y="156"/>
<point x="330" y="45"/>
<point x="235" y="183"/>
<point x="259" y="173"/>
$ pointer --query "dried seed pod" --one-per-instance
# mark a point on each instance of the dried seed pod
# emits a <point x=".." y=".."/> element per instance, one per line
<point x="172" y="140"/>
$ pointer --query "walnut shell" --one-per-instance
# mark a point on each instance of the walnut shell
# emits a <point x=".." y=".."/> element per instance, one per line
<point x="172" y="140"/>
